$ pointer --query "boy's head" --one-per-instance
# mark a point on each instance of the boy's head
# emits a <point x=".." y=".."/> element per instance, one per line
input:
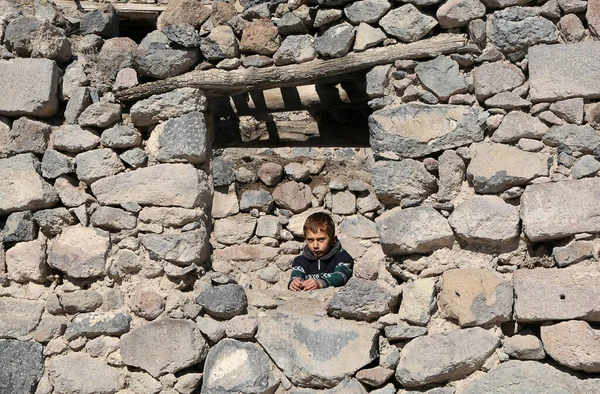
<point x="319" y="232"/>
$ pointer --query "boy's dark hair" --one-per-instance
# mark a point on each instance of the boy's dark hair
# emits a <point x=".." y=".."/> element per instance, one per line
<point x="319" y="221"/>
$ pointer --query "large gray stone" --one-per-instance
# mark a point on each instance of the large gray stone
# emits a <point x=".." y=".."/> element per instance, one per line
<point x="397" y="180"/>
<point x="225" y="301"/>
<point x="170" y="216"/>
<point x="183" y="249"/>
<point x="317" y="352"/>
<point x="441" y="357"/>
<point x="496" y="77"/>
<point x="145" y="346"/>
<point x="113" y="219"/>
<point x="25" y="135"/>
<point x="414" y="230"/>
<point x="234" y="366"/>
<point x="19" y="227"/>
<point x="361" y="299"/>
<point x="94" y="324"/>
<point x="66" y="374"/>
<point x="366" y="11"/>
<point x="55" y="164"/>
<point x="457" y="13"/>
<point x="516" y="125"/>
<point x="75" y="139"/>
<point x="167" y="185"/>
<point x="358" y="226"/>
<point x="516" y="28"/>
<point x="490" y="170"/>
<point x="549" y="210"/>
<point x="22" y="366"/>
<point x="418" y="301"/>
<point x="18" y="317"/>
<point x="164" y="63"/>
<point x="22" y="187"/>
<point x="181" y="139"/>
<point x="556" y="294"/>
<point x="295" y="49"/>
<point x="416" y="130"/>
<point x="529" y="377"/>
<point x="19" y="34"/>
<point x="96" y="164"/>
<point x="475" y="297"/>
<point x="293" y="195"/>
<point x="220" y="44"/>
<point x="573" y="344"/>
<point x="442" y="76"/>
<point x="256" y="199"/>
<point x="235" y="229"/>
<point x="121" y="136"/>
<point x="80" y="252"/>
<point x="335" y="41"/>
<point x="100" y="115"/>
<point x="104" y="23"/>
<point x="167" y="105"/>
<point x="30" y="87"/>
<point x="582" y="138"/>
<point x="407" y="23"/>
<point x="485" y="220"/>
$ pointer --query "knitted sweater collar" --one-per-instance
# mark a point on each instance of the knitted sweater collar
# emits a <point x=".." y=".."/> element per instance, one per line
<point x="337" y="246"/>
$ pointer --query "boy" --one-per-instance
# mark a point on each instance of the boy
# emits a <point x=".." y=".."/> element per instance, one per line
<point x="323" y="262"/>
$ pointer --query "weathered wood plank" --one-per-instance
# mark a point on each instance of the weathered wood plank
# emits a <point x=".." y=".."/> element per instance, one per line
<point x="123" y="8"/>
<point x="217" y="82"/>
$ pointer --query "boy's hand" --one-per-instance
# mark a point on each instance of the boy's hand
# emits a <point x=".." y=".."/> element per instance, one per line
<point x="311" y="284"/>
<point x="296" y="284"/>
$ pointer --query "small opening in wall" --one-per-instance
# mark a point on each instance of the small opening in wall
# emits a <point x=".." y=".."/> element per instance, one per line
<point x="562" y="297"/>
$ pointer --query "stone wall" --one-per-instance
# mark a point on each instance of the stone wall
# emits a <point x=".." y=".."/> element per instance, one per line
<point x="137" y="259"/>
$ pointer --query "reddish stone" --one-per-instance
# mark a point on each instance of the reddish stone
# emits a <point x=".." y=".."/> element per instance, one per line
<point x="262" y="37"/>
<point x="183" y="11"/>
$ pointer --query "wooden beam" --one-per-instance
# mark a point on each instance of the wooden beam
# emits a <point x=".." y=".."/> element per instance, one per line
<point x="125" y="9"/>
<point x="216" y="82"/>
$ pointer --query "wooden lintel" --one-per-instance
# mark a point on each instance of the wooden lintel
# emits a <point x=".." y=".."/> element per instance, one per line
<point x="125" y="9"/>
<point x="216" y="82"/>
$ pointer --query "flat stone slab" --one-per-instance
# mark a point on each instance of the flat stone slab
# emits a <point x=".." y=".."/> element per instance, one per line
<point x="560" y="209"/>
<point x="164" y="185"/>
<point x="556" y="294"/>
<point x="80" y="373"/>
<point x="441" y="357"/>
<point x="18" y="317"/>
<point x="22" y="366"/>
<point x="416" y="130"/>
<point x="29" y="87"/>
<point x="317" y="352"/>
<point x="553" y="75"/>
<point x="573" y="344"/>
<point x="529" y="377"/>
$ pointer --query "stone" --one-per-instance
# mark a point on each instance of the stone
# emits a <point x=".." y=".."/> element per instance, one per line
<point x="361" y="299"/>
<point x="182" y="35"/>
<point x="26" y="262"/>
<point x="293" y="196"/>
<point x="451" y="170"/>
<point x="418" y="301"/>
<point x="325" y="17"/>
<point x="51" y="43"/>
<point x="223" y="174"/>
<point x="147" y="304"/>
<point x="529" y="145"/>
<point x="142" y="347"/>
<point x="234" y="229"/>
<point x="582" y="138"/>
<point x="180" y="139"/>
<point x="179" y="185"/>
<point x="246" y="253"/>
<point x="104" y="23"/>
<point x="165" y="63"/>
<point x="171" y="216"/>
<point x="416" y="130"/>
<point x="331" y="349"/>
<point x="183" y="11"/>
<point x="31" y="192"/>
<point x="493" y="78"/>
<point x="455" y="13"/>
<point x="407" y="179"/>
<point x="551" y="294"/>
<point x="268" y="226"/>
<point x="297" y="172"/>
<point x="586" y="166"/>
<point x="25" y="135"/>
<point x="357" y="226"/>
<point x="234" y="366"/>
<point x="18" y="317"/>
<point x="126" y="78"/>
<point x="256" y="199"/>
<point x="570" y="110"/>
<point x="544" y="207"/>
<point x="80" y="252"/>
<point x="168" y="105"/>
<point x="135" y="157"/>
<point x="475" y="297"/>
<point x="523" y="376"/>
<point x="524" y="346"/>
<point x="52" y="221"/>
<point x="572" y="6"/>
<point x="592" y="15"/>
<point x="113" y="219"/>
<point x="507" y="101"/>
<point x="19" y="34"/>
<point x="433" y="358"/>
<point x="65" y="373"/>
<point x="343" y="203"/>
<point x="572" y="253"/>
<point x="403" y="331"/>
<point x="245" y="175"/>
<point x="74" y="302"/>
<point x="73" y="79"/>
<point x="224" y="302"/>
<point x="19" y="227"/>
<point x="516" y="28"/>
<point x="442" y="76"/>
<point x="241" y="327"/>
<point x="367" y="37"/>
<point x="374" y="377"/>
<point x="96" y="164"/>
<point x="295" y="49"/>
<point x="573" y="344"/>
<point x="407" y="23"/>
<point x="485" y="220"/>
<point x="225" y="202"/>
<point x="183" y="249"/>
<point x="336" y="41"/>
<point x="41" y="79"/>
<point x="213" y="329"/>
<point x="74" y="139"/>
<point x="220" y="44"/>
<point x="94" y="324"/>
<point x="378" y="79"/>
<point x="366" y="11"/>
<point x="260" y="37"/>
<point x="413" y="230"/>
<point x="22" y="366"/>
<point x="516" y="125"/>
<point x="571" y="28"/>
<point x="291" y="24"/>
<point x="270" y="173"/>
<point x="490" y="172"/>
<point x="116" y="54"/>
<point x="79" y="100"/>
<point x="70" y="195"/>
<point x="121" y="136"/>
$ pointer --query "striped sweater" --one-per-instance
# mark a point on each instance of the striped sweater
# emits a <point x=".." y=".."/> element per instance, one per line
<point x="332" y="269"/>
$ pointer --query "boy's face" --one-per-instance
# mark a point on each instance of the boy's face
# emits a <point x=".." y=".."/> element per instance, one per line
<point x="320" y="242"/>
